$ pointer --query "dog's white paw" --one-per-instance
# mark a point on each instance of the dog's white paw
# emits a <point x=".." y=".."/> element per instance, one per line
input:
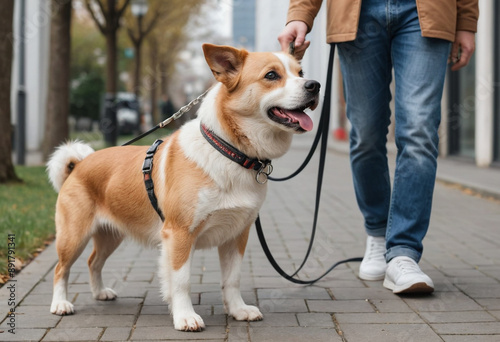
<point x="106" y="294"/>
<point x="62" y="307"/>
<point x="192" y="322"/>
<point x="247" y="313"/>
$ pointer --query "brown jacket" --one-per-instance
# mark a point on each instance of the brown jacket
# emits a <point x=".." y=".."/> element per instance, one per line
<point x="438" y="18"/>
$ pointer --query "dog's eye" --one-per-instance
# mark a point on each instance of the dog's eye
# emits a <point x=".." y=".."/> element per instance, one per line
<point x="301" y="73"/>
<point x="272" y="75"/>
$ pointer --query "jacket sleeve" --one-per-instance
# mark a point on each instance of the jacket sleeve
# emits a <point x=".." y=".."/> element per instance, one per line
<point x="304" y="10"/>
<point x="467" y="15"/>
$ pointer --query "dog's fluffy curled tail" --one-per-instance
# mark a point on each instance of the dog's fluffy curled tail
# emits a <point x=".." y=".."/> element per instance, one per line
<point x="63" y="161"/>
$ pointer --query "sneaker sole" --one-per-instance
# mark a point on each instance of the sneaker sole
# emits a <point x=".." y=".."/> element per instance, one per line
<point x="415" y="288"/>
<point x="364" y="276"/>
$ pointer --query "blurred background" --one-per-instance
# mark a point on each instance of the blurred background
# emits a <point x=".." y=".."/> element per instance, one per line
<point x="106" y="70"/>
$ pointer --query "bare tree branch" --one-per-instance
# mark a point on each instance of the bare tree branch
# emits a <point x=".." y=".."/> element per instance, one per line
<point x="134" y="40"/>
<point x="101" y="6"/>
<point x="103" y="10"/>
<point x="124" y="7"/>
<point x="152" y="24"/>
<point x="94" y="17"/>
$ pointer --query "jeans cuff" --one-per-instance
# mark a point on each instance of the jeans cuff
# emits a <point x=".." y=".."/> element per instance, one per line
<point x="377" y="232"/>
<point x="402" y="251"/>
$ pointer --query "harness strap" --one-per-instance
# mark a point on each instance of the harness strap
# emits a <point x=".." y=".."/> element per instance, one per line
<point x="147" y="170"/>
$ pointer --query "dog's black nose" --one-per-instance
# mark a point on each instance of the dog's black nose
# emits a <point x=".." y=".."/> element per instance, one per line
<point x="312" y="87"/>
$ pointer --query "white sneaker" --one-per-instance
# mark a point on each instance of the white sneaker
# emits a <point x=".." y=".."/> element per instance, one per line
<point x="373" y="265"/>
<point x="404" y="276"/>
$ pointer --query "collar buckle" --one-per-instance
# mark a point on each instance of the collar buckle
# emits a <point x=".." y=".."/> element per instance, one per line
<point x="266" y="168"/>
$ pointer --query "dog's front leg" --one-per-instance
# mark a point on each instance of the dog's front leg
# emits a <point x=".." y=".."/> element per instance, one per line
<point x="231" y="256"/>
<point x="179" y="250"/>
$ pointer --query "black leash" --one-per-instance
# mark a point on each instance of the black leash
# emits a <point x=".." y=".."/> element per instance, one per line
<point x="131" y="141"/>
<point x="323" y="132"/>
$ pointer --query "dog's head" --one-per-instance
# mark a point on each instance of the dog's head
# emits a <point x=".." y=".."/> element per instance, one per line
<point x="267" y="88"/>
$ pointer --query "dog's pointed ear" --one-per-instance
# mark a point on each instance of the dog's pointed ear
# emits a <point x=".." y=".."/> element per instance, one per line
<point x="225" y="62"/>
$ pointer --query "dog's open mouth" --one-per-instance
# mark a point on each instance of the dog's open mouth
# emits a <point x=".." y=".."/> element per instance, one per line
<point x="293" y="118"/>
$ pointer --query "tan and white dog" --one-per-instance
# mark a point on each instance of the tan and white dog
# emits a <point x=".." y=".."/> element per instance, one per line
<point x="208" y="200"/>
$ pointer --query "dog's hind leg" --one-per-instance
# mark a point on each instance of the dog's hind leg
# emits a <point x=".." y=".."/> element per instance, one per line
<point x="231" y="256"/>
<point x="69" y="244"/>
<point x="105" y="243"/>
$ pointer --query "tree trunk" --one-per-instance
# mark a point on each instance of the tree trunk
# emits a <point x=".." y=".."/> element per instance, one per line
<point x="137" y="47"/>
<point x="137" y="71"/>
<point x="56" y="123"/>
<point x="111" y="63"/>
<point x="7" y="173"/>
<point x="163" y="78"/>
<point x="155" y="114"/>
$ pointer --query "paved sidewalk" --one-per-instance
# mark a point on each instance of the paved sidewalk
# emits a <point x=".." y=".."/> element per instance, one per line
<point x="462" y="255"/>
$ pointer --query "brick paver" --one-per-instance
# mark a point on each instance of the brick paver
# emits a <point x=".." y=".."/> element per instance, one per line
<point x="462" y="255"/>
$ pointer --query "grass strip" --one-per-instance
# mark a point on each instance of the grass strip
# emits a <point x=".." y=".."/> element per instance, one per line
<point x="27" y="211"/>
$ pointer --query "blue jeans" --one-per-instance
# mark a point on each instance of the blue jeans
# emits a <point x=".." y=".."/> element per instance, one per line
<point x="389" y="37"/>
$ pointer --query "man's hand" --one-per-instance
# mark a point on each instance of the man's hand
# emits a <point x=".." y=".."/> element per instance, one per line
<point x="462" y="49"/>
<point x="294" y="31"/>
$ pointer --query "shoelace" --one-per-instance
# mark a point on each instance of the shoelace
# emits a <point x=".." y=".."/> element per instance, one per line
<point x="375" y="250"/>
<point x="407" y="266"/>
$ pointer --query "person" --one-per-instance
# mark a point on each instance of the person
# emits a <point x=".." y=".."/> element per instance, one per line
<point x="416" y="38"/>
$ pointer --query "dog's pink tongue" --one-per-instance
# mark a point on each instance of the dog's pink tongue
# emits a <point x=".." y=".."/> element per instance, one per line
<point x="304" y="120"/>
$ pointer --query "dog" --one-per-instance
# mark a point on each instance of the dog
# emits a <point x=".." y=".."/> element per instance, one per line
<point x="206" y="197"/>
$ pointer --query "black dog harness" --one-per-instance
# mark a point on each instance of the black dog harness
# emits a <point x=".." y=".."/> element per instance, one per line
<point x="147" y="169"/>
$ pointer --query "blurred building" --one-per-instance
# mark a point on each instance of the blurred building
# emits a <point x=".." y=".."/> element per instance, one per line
<point x="471" y="117"/>
<point x="470" y="128"/>
<point x="36" y="44"/>
<point x="244" y="24"/>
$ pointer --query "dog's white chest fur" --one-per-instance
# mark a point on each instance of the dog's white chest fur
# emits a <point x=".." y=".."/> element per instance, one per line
<point x="232" y="202"/>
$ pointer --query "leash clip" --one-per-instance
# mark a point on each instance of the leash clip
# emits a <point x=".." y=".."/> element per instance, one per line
<point x="265" y="170"/>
